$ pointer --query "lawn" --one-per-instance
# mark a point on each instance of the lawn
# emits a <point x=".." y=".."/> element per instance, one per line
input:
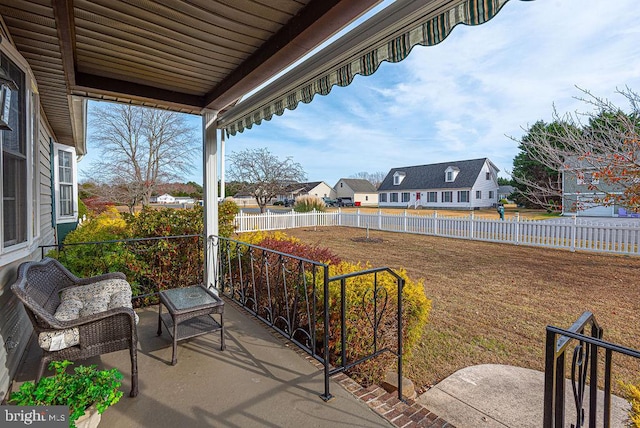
<point x="492" y="302"/>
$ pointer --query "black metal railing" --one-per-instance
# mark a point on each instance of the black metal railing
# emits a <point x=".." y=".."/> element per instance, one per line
<point x="584" y="367"/>
<point x="298" y="298"/>
<point x="150" y="264"/>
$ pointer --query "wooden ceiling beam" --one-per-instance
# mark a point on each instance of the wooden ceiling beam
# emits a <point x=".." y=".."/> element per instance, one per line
<point x="63" y="13"/>
<point x="93" y="83"/>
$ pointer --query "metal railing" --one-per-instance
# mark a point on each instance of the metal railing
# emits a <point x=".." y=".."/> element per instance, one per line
<point x="150" y="264"/>
<point x="298" y="298"/>
<point x="584" y="366"/>
<point x="562" y="233"/>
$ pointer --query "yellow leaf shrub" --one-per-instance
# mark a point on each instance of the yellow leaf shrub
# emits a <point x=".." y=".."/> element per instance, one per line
<point x="632" y="393"/>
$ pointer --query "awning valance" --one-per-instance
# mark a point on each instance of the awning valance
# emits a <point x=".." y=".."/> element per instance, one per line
<point x="387" y="36"/>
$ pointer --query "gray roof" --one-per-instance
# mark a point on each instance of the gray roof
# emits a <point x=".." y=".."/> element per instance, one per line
<point x="432" y="176"/>
<point x="506" y="190"/>
<point x="359" y="185"/>
<point x="302" y="187"/>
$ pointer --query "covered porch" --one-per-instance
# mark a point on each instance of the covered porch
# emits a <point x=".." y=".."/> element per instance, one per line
<point x="259" y="380"/>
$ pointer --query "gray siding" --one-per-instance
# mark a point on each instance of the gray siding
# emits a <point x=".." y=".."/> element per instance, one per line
<point x="15" y="328"/>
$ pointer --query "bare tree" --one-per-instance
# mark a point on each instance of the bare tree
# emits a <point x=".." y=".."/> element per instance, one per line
<point x="262" y="174"/>
<point x="139" y="148"/>
<point x="374" y="178"/>
<point x="600" y="147"/>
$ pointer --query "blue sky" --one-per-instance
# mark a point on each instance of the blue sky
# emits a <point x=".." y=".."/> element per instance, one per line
<point x="462" y="98"/>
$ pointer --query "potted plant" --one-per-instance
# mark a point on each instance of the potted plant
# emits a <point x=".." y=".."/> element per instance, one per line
<point x="87" y="391"/>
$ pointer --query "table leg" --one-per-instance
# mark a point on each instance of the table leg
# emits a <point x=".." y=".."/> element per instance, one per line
<point x="222" y="346"/>
<point x="174" y="358"/>
<point x="159" y="319"/>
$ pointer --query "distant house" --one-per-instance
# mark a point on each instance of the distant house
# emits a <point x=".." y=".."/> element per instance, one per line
<point x="361" y="191"/>
<point x="468" y="184"/>
<point x="578" y="198"/>
<point x="166" y="199"/>
<point x="505" y="191"/>
<point x="314" y="188"/>
<point x="184" y="200"/>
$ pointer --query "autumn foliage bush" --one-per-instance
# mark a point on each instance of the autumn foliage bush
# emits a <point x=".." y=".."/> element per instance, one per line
<point x="150" y="264"/>
<point x="364" y="313"/>
<point x="632" y="394"/>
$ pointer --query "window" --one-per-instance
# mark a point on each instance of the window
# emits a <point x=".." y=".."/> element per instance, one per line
<point x="340" y="185"/>
<point x="447" y="196"/>
<point x="432" y="196"/>
<point x="66" y="205"/>
<point x="463" y="196"/>
<point x="449" y="176"/>
<point x="383" y="197"/>
<point x="594" y="178"/>
<point x="488" y="175"/>
<point x="393" y="197"/>
<point x="14" y="161"/>
<point x="406" y="196"/>
<point x="478" y="194"/>
<point x="490" y="194"/>
<point x="366" y="197"/>
<point x="398" y="177"/>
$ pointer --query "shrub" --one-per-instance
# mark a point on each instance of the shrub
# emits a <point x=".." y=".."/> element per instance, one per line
<point x="308" y="203"/>
<point x="632" y="394"/>
<point x="359" y="304"/>
<point x="89" y="260"/>
<point x="360" y="318"/>
<point x="227" y="211"/>
<point x="167" y="263"/>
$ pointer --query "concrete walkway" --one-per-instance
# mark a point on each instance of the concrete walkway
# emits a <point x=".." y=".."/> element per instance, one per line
<point x="498" y="396"/>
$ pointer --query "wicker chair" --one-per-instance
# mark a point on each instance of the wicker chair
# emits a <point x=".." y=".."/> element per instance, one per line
<point x="38" y="286"/>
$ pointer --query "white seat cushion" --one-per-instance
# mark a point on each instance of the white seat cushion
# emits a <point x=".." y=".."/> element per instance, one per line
<point x="81" y="301"/>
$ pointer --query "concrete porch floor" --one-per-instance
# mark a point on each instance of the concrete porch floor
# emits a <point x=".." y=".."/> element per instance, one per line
<point x="259" y="380"/>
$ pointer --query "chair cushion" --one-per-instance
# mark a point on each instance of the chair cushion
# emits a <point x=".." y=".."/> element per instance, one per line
<point x="82" y="301"/>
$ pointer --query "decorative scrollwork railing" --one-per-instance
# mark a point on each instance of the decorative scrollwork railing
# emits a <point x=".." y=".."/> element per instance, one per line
<point x="583" y="370"/>
<point x="298" y="298"/>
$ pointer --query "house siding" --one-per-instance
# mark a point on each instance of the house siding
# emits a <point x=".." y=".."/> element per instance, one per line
<point x="576" y="197"/>
<point x="15" y="327"/>
<point x="364" y="199"/>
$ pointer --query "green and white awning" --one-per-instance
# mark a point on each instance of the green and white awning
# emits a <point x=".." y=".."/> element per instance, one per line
<point x="388" y="36"/>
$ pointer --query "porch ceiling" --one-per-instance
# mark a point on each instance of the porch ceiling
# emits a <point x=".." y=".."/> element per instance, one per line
<point x="183" y="55"/>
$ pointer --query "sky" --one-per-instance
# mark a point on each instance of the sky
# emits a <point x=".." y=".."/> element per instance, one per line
<point x="462" y="99"/>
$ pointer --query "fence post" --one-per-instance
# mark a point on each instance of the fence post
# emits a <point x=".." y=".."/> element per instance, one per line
<point x="517" y="240"/>
<point x="405" y="221"/>
<point x="471" y="217"/>
<point x="573" y="233"/>
<point x="358" y="217"/>
<point x="339" y="217"/>
<point x="435" y="223"/>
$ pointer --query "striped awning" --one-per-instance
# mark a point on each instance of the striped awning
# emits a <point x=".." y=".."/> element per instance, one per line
<point x="387" y="36"/>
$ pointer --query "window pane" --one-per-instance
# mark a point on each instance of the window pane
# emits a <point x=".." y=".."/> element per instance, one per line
<point x="14" y="162"/>
<point x="405" y="197"/>
<point x="65" y="171"/>
<point x="14" y="200"/>
<point x="66" y="199"/>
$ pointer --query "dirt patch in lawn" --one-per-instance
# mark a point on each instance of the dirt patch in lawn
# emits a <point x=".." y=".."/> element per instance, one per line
<point x="492" y="302"/>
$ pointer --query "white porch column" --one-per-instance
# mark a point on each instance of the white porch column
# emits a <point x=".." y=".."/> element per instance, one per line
<point x="210" y="185"/>
<point x="222" y="183"/>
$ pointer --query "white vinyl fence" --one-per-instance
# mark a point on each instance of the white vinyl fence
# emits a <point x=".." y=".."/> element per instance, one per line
<point x="565" y="233"/>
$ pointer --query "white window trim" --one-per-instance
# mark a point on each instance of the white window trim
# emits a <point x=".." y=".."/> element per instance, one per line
<point x="398" y="177"/>
<point x="57" y="148"/>
<point x="24" y="249"/>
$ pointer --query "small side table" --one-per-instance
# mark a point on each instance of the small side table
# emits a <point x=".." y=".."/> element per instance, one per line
<point x="190" y="314"/>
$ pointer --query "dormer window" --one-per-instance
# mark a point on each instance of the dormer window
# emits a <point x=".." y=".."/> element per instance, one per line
<point x="450" y="174"/>
<point x="398" y="177"/>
